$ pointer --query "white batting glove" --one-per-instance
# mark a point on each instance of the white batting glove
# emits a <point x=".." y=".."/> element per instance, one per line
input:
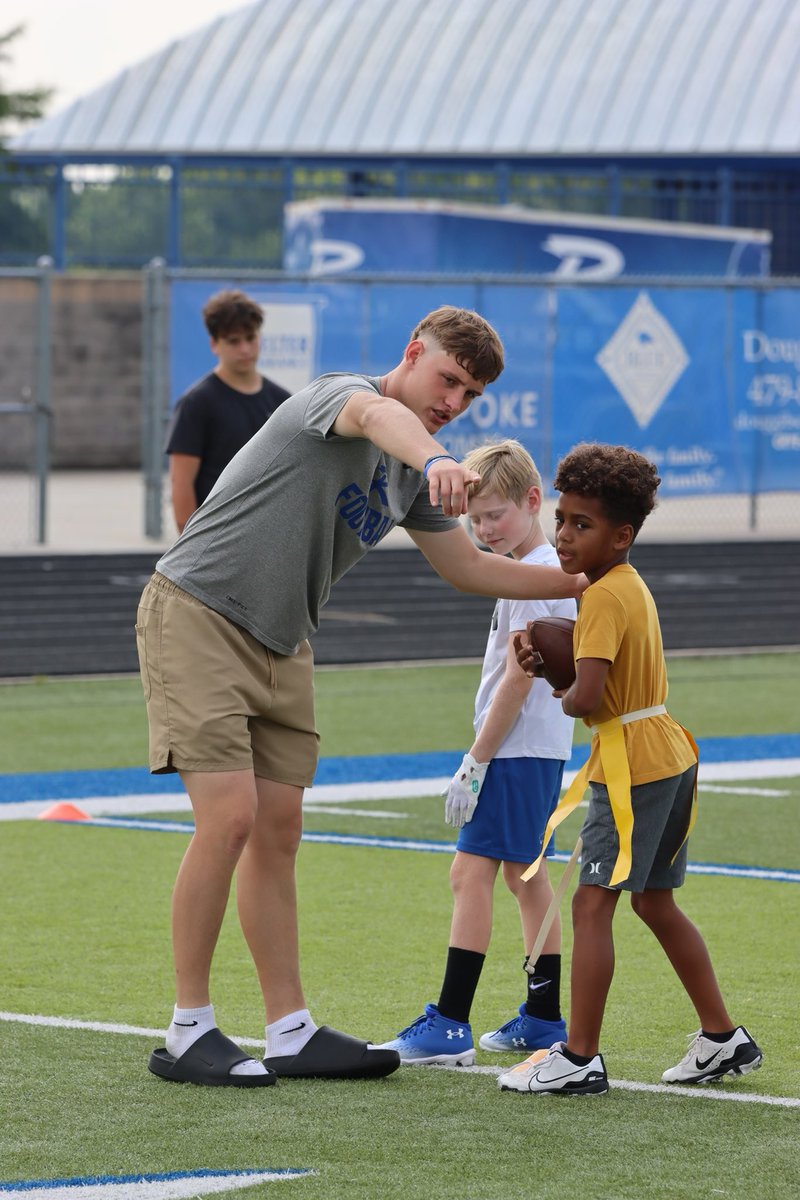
<point x="463" y="792"/>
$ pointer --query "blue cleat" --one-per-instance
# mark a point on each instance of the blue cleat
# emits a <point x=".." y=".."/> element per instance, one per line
<point x="433" y="1038"/>
<point x="524" y="1033"/>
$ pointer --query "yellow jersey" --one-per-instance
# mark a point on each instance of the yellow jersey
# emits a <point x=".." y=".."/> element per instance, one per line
<point x="618" y="622"/>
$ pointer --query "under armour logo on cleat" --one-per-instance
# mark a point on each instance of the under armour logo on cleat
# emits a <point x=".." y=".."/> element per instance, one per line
<point x="455" y="1033"/>
<point x="519" y="1041"/>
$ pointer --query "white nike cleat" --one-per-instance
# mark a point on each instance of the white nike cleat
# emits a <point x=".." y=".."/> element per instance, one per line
<point x="550" y="1072"/>
<point x="707" y="1060"/>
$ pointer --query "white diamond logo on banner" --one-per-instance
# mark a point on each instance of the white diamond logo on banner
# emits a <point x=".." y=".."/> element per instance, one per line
<point x="644" y="359"/>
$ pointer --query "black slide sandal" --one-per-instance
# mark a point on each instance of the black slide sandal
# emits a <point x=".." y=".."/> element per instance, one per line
<point x="329" y="1054"/>
<point x="208" y="1061"/>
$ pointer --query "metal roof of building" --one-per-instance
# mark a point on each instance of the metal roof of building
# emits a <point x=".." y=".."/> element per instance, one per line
<point x="456" y="77"/>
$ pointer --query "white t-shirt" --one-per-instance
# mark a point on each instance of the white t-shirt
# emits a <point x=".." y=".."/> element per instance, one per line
<point x="542" y="729"/>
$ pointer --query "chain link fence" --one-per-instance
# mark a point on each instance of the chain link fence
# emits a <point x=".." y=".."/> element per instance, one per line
<point x="25" y="403"/>
<point x="85" y="392"/>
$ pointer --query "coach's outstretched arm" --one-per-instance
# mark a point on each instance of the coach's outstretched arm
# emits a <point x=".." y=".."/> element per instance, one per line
<point x="455" y="557"/>
<point x="388" y="424"/>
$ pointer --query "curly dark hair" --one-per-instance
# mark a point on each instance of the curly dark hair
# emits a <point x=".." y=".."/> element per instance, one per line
<point x="231" y="312"/>
<point x="622" y="480"/>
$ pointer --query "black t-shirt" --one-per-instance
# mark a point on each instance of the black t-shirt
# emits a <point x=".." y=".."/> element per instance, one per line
<point x="212" y="422"/>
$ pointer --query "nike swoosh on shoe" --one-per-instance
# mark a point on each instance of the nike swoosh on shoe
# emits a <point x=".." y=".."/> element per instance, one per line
<point x="702" y="1066"/>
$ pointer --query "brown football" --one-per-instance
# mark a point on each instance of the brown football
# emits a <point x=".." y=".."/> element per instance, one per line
<point x="552" y="638"/>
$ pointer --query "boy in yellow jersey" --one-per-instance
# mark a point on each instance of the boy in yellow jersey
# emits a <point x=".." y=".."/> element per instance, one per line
<point x="641" y="772"/>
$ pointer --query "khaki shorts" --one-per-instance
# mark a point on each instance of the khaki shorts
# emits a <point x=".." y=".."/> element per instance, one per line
<point x="218" y="699"/>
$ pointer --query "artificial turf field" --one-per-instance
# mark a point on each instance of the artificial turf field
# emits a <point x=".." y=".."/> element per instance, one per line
<point x="85" y="937"/>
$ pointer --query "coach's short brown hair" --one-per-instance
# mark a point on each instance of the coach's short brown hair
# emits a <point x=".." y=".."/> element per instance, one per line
<point x="467" y="337"/>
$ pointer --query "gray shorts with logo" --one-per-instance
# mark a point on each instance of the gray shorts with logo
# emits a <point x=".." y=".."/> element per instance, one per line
<point x="661" y="812"/>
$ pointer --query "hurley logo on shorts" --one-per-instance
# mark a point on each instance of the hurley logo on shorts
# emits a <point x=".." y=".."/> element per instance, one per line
<point x="354" y="506"/>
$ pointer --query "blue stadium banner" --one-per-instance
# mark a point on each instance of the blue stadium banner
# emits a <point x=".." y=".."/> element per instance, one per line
<point x="704" y="380"/>
<point x="337" y="236"/>
<point x="647" y="369"/>
<point x="765" y="414"/>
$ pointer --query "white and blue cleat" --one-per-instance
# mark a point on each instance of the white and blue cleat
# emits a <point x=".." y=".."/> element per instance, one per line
<point x="522" y="1034"/>
<point x="433" y="1039"/>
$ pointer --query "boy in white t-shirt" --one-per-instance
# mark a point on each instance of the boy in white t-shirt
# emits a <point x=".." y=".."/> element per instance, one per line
<point x="502" y="795"/>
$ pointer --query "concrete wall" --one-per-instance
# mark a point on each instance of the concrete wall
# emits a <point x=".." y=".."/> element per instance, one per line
<point x="96" y="333"/>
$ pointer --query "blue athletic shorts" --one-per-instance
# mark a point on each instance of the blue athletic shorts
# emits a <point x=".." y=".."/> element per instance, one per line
<point x="516" y="799"/>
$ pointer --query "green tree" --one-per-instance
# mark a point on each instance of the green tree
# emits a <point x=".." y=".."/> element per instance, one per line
<point x="18" y="106"/>
<point x="23" y="223"/>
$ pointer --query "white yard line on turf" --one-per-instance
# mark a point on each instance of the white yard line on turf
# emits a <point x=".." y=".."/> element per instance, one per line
<point x="370" y="841"/>
<point x="177" y="1185"/>
<point x="350" y="793"/>
<point x="696" y="1093"/>
<point x="743" y="791"/>
<point x="323" y="797"/>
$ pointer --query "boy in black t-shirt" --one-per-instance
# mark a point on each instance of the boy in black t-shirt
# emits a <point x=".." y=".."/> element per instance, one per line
<point x="220" y="413"/>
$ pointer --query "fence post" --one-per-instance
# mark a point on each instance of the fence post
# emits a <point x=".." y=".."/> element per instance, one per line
<point x="43" y="398"/>
<point x="548" y="398"/>
<point x="153" y="393"/>
<point x="758" y="433"/>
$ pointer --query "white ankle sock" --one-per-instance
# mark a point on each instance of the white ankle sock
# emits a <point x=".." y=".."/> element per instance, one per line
<point x="249" y="1067"/>
<point x="189" y="1024"/>
<point x="289" y="1034"/>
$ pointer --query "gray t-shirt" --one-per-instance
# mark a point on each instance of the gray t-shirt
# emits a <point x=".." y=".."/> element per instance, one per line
<point x="291" y="513"/>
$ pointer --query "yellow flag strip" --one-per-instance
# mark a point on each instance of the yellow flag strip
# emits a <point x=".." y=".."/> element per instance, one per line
<point x="614" y="757"/>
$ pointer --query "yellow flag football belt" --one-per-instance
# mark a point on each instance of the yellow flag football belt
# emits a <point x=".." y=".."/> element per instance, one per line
<point x="614" y="757"/>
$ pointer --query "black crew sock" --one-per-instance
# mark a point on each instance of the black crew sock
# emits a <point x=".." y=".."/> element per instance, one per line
<point x="460" y="983"/>
<point x="718" y="1037"/>
<point x="579" y="1060"/>
<point x="544" y="989"/>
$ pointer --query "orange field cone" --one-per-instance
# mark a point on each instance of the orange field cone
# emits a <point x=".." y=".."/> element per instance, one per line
<point x="64" y="811"/>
